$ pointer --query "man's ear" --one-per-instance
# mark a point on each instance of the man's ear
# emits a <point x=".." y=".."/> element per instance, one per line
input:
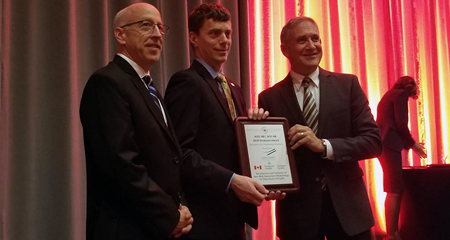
<point x="284" y="50"/>
<point x="193" y="39"/>
<point x="119" y="35"/>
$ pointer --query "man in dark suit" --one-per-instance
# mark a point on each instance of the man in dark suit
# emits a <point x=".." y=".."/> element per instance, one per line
<point x="203" y="104"/>
<point x="392" y="118"/>
<point x="332" y="128"/>
<point x="132" y="155"/>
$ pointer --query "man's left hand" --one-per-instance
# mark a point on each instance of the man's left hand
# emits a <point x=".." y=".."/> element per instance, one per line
<point x="257" y="113"/>
<point x="302" y="135"/>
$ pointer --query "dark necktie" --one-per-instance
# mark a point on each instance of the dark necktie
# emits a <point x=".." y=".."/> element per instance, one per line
<point x="151" y="88"/>
<point x="227" y="92"/>
<point x="311" y="114"/>
<point x="310" y="110"/>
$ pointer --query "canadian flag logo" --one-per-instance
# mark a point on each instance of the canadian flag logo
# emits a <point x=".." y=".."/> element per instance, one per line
<point x="257" y="167"/>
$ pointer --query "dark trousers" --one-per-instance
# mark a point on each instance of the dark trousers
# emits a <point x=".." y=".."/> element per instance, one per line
<point x="330" y="225"/>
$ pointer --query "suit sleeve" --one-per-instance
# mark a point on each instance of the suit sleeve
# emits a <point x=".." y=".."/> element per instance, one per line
<point x="261" y="102"/>
<point x="183" y="99"/>
<point x="113" y="157"/>
<point x="401" y="119"/>
<point x="364" y="140"/>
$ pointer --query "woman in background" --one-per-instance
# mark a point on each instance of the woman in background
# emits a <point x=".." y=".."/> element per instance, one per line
<point x="392" y="118"/>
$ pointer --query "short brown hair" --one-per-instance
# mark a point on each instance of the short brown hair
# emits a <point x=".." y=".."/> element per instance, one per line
<point x="207" y="11"/>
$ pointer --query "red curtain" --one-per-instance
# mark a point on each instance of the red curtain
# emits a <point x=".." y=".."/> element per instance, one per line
<point x="378" y="41"/>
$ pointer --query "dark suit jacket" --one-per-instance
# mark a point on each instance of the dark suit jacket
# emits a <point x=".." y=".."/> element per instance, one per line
<point x="204" y="127"/>
<point x="346" y="121"/>
<point x="392" y="118"/>
<point x="132" y="158"/>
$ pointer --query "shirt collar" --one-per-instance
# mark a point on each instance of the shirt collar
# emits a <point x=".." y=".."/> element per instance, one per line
<point x="135" y="66"/>
<point x="298" y="78"/>
<point x="211" y="70"/>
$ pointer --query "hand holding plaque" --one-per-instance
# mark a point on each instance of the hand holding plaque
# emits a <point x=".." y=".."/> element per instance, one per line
<point x="248" y="190"/>
<point x="265" y="155"/>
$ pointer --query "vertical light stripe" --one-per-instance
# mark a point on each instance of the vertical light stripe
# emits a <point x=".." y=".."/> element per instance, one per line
<point x="77" y="166"/>
<point x="327" y="40"/>
<point x="258" y="58"/>
<point x="444" y="76"/>
<point x="106" y="30"/>
<point x="31" y="190"/>
<point x="425" y="101"/>
<point x="374" y="182"/>
<point x="374" y="29"/>
<point x="5" y="56"/>
<point x="345" y="37"/>
<point x="271" y="61"/>
<point x="279" y="63"/>
<point x="408" y="63"/>
<point x="274" y="219"/>
<point x="297" y="7"/>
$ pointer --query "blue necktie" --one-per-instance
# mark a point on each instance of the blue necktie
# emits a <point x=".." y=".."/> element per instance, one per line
<point x="151" y="88"/>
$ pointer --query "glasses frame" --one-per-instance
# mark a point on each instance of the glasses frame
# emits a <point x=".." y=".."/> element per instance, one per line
<point x="163" y="29"/>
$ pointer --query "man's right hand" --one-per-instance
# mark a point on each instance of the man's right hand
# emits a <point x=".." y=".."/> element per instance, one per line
<point x="248" y="190"/>
<point x="185" y="223"/>
<point x="275" y="195"/>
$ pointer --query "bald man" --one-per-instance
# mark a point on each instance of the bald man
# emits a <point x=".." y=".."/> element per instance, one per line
<point x="133" y="159"/>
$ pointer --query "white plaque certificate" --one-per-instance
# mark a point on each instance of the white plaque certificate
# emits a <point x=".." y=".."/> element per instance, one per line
<point x="267" y="153"/>
<point x="264" y="153"/>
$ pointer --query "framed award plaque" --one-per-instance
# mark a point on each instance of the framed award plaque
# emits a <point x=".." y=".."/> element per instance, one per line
<point x="265" y="154"/>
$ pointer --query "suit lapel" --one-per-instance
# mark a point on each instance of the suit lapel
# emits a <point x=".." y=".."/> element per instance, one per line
<point x="168" y="127"/>
<point x="214" y="87"/>
<point x="143" y="91"/>
<point x="239" y="102"/>
<point x="326" y="87"/>
<point x="290" y="99"/>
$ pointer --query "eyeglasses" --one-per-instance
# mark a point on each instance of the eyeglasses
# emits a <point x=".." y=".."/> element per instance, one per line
<point x="148" y="27"/>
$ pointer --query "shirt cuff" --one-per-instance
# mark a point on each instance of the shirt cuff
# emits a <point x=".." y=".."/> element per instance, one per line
<point x="229" y="183"/>
<point x="330" y="153"/>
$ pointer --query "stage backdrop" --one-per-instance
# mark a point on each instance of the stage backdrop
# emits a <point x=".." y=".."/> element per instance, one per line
<point x="378" y="41"/>
<point x="48" y="49"/>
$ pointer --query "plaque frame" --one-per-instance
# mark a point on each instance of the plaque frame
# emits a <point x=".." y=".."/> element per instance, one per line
<point x="239" y="124"/>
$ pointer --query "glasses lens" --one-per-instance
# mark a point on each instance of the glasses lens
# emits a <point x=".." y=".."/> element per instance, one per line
<point x="163" y="29"/>
<point x="147" y="27"/>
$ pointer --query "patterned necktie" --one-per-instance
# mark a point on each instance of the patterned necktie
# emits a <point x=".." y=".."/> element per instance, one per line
<point x="310" y="111"/>
<point x="151" y="88"/>
<point x="227" y="92"/>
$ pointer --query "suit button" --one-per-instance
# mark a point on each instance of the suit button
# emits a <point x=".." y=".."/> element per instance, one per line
<point x="176" y="160"/>
<point x="317" y="179"/>
<point x="179" y="195"/>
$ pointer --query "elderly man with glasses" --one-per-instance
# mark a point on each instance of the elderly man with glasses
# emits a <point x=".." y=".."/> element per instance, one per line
<point x="133" y="159"/>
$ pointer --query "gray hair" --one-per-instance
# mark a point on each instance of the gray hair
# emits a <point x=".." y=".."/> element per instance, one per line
<point x="291" y="24"/>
